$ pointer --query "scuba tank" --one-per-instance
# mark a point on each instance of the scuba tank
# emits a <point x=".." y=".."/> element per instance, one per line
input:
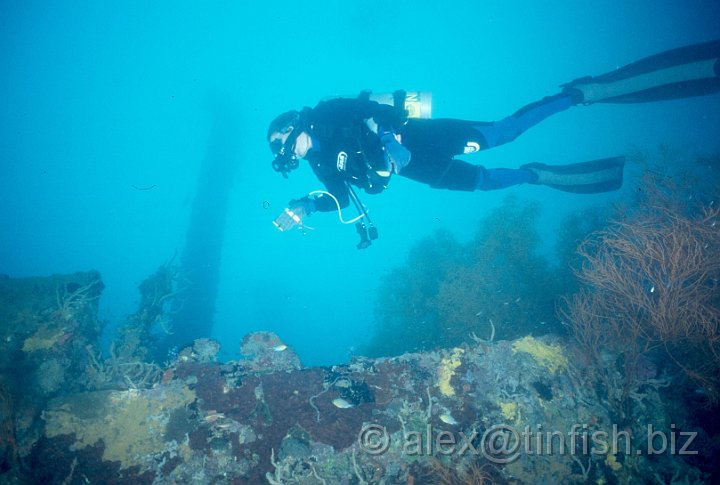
<point x="417" y="104"/>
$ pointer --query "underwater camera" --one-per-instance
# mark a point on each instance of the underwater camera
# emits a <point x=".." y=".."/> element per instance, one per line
<point x="289" y="219"/>
<point x="293" y="217"/>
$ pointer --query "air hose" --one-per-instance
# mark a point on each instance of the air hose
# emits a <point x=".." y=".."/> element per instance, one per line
<point x="339" y="210"/>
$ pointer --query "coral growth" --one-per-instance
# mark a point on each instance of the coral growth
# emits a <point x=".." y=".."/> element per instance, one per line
<point x="267" y="353"/>
<point x="248" y="422"/>
<point x="139" y="337"/>
<point x="130" y="424"/>
<point x="651" y="286"/>
<point x="439" y="473"/>
<point x="550" y="356"/>
<point x="46" y="325"/>
<point x="446" y="370"/>
<point x="448" y="290"/>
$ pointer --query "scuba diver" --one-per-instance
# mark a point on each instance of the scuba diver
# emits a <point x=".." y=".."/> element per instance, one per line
<point x="360" y="142"/>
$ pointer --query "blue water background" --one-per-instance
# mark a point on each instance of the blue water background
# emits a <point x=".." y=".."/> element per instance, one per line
<point x="102" y="98"/>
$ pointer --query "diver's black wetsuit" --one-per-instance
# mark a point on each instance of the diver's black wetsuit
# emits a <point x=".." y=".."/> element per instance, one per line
<point x="434" y="144"/>
<point x="346" y="150"/>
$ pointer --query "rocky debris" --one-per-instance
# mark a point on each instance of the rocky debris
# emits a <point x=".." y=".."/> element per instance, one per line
<point x="514" y="412"/>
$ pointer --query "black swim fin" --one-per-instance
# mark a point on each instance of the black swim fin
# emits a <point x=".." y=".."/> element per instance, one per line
<point x="592" y="177"/>
<point x="679" y="73"/>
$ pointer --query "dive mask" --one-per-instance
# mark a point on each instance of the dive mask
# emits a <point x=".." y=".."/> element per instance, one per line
<point x="285" y="159"/>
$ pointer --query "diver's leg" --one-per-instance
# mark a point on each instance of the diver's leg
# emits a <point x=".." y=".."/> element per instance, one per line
<point x="435" y="143"/>
<point x="501" y="178"/>
<point x="459" y="175"/>
<point x="506" y="130"/>
<point x="591" y="177"/>
<point x="450" y="137"/>
<point x="679" y="73"/>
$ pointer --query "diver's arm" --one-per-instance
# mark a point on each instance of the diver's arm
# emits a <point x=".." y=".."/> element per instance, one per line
<point x="336" y="187"/>
<point x="396" y="155"/>
<point x="383" y="115"/>
<point x="346" y="111"/>
<point x="383" y="120"/>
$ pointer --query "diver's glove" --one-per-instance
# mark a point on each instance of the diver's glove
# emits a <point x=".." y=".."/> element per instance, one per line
<point x="396" y="156"/>
<point x="306" y="205"/>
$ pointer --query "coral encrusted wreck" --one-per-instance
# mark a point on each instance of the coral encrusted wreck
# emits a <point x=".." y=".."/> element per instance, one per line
<point x="492" y="412"/>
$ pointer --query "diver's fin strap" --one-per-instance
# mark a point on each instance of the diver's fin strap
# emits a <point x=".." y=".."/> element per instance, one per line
<point x="684" y="72"/>
<point x="603" y="175"/>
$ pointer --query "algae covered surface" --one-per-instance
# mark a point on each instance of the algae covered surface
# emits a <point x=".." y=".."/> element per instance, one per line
<point x="551" y="357"/>
<point x="131" y="424"/>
